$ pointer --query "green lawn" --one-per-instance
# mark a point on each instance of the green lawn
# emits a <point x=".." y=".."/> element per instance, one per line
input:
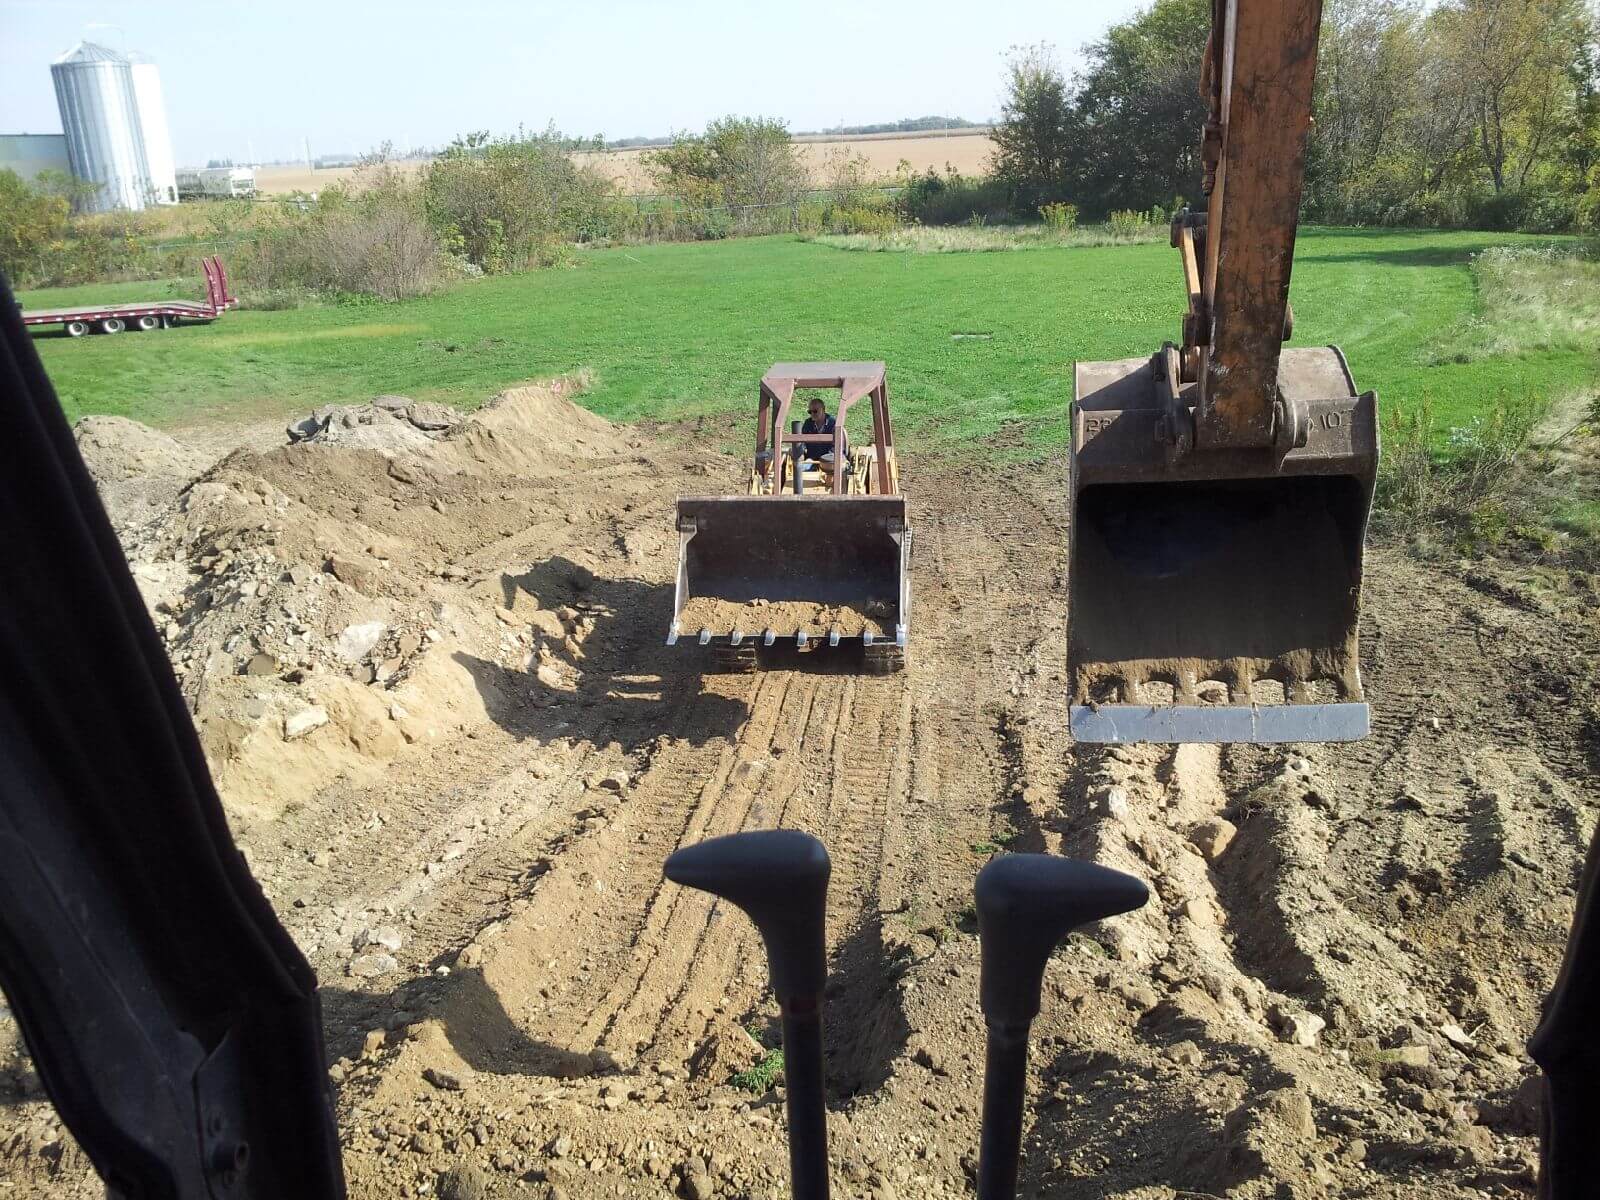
<point x="678" y="331"/>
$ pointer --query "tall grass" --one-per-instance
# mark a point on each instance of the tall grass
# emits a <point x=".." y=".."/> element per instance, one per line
<point x="1531" y="299"/>
<point x="927" y="239"/>
<point x="1472" y="496"/>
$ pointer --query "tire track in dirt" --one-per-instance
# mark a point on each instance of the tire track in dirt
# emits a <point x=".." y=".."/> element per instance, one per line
<point x="897" y="775"/>
<point x="685" y="943"/>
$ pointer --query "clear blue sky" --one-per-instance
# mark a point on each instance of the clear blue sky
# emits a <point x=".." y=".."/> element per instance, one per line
<point x="261" y="74"/>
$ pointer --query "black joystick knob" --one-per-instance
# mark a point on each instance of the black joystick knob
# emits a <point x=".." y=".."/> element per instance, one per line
<point x="779" y="877"/>
<point x="1026" y="904"/>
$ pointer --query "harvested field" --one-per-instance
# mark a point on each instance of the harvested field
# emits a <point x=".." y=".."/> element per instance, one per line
<point x="966" y="150"/>
<point x="430" y="678"/>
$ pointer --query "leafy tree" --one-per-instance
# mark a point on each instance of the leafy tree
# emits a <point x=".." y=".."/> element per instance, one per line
<point x="737" y="161"/>
<point x="69" y="187"/>
<point x="1138" y="110"/>
<point x="1516" y="59"/>
<point x="1428" y="112"/>
<point x="30" y="219"/>
<point x="507" y="203"/>
<point x="1035" y="134"/>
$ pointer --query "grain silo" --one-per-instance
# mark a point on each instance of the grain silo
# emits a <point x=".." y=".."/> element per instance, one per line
<point x="100" y="117"/>
<point x="153" y="128"/>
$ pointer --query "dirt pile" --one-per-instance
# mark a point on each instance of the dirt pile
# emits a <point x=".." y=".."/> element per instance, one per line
<point x="324" y="602"/>
<point x="783" y="617"/>
<point x="468" y="753"/>
<point x="138" y="470"/>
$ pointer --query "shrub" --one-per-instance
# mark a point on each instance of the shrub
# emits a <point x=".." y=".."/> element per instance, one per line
<point x="1125" y="222"/>
<point x="1586" y="215"/>
<point x="505" y="203"/>
<point x="849" y="180"/>
<point x="1470" y="490"/>
<point x="29" y="222"/>
<point x="1060" y="215"/>
<point x="1529" y="209"/>
<point x="713" y="224"/>
<point x="862" y="219"/>
<point x="737" y="161"/>
<point x="810" y="217"/>
<point x="1406" y="476"/>
<point x="951" y="198"/>
<point x="368" y="238"/>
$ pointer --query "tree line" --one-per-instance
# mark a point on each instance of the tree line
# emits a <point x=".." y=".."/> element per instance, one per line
<point x="1481" y="113"/>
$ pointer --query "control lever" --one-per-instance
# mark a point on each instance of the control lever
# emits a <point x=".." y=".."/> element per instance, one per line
<point x="779" y="877"/>
<point x="797" y="452"/>
<point x="1026" y="904"/>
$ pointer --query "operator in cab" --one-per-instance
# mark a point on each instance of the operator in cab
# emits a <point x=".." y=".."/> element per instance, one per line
<point x="818" y="421"/>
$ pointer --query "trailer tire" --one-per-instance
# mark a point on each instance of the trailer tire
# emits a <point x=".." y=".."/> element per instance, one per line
<point x="112" y="325"/>
<point x="147" y="323"/>
<point x="77" y="328"/>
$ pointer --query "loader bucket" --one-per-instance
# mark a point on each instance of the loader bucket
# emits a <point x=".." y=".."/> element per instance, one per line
<point x="1214" y="594"/>
<point x="807" y="570"/>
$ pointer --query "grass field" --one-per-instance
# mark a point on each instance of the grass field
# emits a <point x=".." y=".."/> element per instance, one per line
<point x="675" y="332"/>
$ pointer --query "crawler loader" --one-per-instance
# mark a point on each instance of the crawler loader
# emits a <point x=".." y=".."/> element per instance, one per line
<point x="1221" y="487"/>
<point x="816" y="553"/>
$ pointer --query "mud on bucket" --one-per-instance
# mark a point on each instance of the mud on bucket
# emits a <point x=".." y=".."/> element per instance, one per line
<point x="1215" y="597"/>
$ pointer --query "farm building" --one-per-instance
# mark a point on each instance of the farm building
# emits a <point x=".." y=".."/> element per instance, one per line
<point x="30" y="153"/>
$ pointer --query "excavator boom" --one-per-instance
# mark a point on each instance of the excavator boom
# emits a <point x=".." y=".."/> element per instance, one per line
<point x="1221" y="487"/>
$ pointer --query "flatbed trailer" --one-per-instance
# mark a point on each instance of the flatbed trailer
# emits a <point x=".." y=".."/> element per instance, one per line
<point x="154" y="314"/>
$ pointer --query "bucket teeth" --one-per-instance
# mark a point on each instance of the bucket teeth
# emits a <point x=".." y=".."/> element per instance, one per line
<point x="705" y="636"/>
<point x="1186" y="690"/>
<point x="833" y="636"/>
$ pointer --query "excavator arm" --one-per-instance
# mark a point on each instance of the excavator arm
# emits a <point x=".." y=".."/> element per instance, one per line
<point x="1221" y="487"/>
<point x="1262" y="70"/>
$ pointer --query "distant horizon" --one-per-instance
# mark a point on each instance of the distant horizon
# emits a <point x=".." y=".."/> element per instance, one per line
<point x="255" y="84"/>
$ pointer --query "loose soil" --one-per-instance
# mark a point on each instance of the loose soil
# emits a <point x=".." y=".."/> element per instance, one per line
<point x="433" y="686"/>
<point x="783" y="617"/>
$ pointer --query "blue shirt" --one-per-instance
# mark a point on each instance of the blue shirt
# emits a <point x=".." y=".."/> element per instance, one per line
<point x="817" y="449"/>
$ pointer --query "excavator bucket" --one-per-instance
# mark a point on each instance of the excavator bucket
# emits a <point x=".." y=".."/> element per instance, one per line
<point x="801" y="571"/>
<point x="1214" y="596"/>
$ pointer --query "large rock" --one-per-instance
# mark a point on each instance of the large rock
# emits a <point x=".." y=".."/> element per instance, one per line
<point x="372" y="966"/>
<point x="297" y="725"/>
<point x="465" y="1182"/>
<point x="355" y="642"/>
<point x="1212" y="837"/>
<point x="1296" y="1026"/>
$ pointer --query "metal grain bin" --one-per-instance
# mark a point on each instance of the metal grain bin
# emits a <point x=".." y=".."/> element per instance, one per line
<point x="153" y="127"/>
<point x="100" y="117"/>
